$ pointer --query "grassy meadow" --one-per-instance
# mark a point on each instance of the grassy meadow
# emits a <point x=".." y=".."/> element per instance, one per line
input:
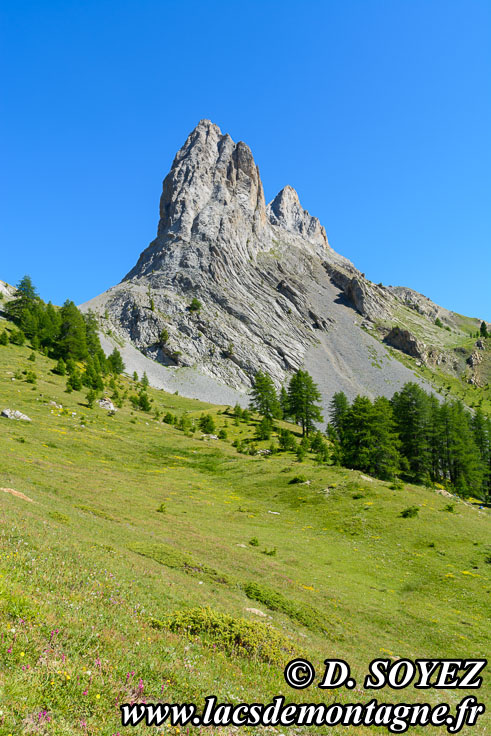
<point x="113" y="527"/>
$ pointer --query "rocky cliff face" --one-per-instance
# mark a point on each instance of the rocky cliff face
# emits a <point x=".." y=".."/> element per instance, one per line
<point x="273" y="295"/>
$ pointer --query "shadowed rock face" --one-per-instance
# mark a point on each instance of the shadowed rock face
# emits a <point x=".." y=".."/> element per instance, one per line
<point x="274" y="295"/>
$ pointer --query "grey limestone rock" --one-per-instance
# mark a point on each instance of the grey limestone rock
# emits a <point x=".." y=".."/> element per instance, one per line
<point x="15" y="414"/>
<point x="271" y="293"/>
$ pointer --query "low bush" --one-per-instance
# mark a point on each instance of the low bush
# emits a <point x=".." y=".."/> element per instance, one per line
<point x="166" y="555"/>
<point x="297" y="479"/>
<point x="234" y="635"/>
<point x="299" y="612"/>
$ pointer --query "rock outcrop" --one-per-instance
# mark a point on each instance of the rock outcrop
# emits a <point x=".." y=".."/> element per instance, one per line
<point x="15" y="414"/>
<point x="231" y="285"/>
<point x="406" y="343"/>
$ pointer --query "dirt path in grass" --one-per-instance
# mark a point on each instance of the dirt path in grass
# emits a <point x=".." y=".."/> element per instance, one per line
<point x="16" y="493"/>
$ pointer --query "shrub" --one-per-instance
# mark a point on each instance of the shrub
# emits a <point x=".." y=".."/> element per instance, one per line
<point x="90" y="398"/>
<point x="234" y="635"/>
<point x="286" y="440"/>
<point x="450" y="507"/>
<point x="169" y="418"/>
<point x="410" y="512"/>
<point x="304" y="614"/>
<point x="397" y="485"/>
<point x="4" y="338"/>
<point x="222" y="434"/>
<point x="162" y="509"/>
<point x="32" y="358"/>
<point x="17" y="337"/>
<point x="166" y="555"/>
<point x="57" y="516"/>
<point x="206" y="424"/>
<point x="195" y="305"/>
<point x="144" y="401"/>
<point x="270" y="552"/>
<point x="74" y="381"/>
<point x="31" y="377"/>
<point x="263" y="429"/>
<point x="60" y="368"/>
<point x="297" y="479"/>
<point x="254" y="542"/>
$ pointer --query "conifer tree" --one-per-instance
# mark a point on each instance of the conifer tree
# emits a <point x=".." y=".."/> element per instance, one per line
<point x="284" y="404"/>
<point x="303" y="398"/>
<point x="263" y="396"/>
<point x="60" y="367"/>
<point x="115" y="362"/>
<point x="338" y="408"/>
<point x="412" y="416"/>
<point x="24" y="299"/>
<point x="72" y="341"/>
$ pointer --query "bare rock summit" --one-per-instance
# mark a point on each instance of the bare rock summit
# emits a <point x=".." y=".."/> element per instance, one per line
<point x="231" y="285"/>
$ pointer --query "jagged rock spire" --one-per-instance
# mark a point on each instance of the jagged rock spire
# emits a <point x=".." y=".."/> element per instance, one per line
<point x="213" y="185"/>
<point x="286" y="212"/>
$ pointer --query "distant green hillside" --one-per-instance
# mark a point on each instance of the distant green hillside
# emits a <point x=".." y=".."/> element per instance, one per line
<point x="112" y="524"/>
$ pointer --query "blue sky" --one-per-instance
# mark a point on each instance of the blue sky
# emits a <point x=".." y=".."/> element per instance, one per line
<point x="377" y="112"/>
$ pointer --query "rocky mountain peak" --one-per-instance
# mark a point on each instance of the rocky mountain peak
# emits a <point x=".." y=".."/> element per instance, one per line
<point x="286" y="212"/>
<point x="212" y="195"/>
<point x="272" y="295"/>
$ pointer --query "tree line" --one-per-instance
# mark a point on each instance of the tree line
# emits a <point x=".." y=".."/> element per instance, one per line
<point x="412" y="435"/>
<point x="64" y="334"/>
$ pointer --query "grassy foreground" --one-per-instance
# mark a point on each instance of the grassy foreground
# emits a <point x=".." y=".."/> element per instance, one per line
<point x="92" y="573"/>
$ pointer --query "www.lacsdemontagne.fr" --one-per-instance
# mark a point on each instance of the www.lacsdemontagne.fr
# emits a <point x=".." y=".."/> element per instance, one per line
<point x="396" y="718"/>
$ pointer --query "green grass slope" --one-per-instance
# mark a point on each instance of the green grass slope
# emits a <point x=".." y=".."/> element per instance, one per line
<point x="96" y="583"/>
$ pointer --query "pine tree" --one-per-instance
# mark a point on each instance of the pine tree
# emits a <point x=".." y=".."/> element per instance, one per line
<point x="481" y="429"/>
<point x="483" y="331"/>
<point x="72" y="341"/>
<point x="384" y="457"/>
<point x="337" y="409"/>
<point x="115" y="362"/>
<point x="144" y="401"/>
<point x="4" y="338"/>
<point x="284" y="404"/>
<point x="24" y="299"/>
<point x="90" y="398"/>
<point x="303" y="397"/>
<point x="60" y="367"/>
<point x="145" y="382"/>
<point x="94" y="348"/>
<point x="412" y="416"/>
<point x="74" y="381"/>
<point x="206" y="423"/>
<point x="264" y="428"/>
<point x="461" y="460"/>
<point x="49" y="326"/>
<point x="263" y="396"/>
<point x="369" y="441"/>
